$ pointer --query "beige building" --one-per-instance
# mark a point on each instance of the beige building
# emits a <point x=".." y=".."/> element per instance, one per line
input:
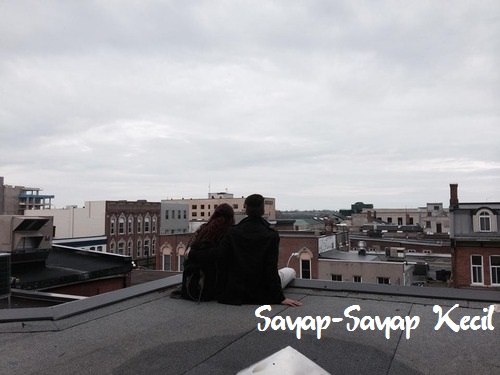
<point x="26" y="239"/>
<point x="202" y="209"/>
<point x="351" y="267"/>
<point x="74" y="222"/>
<point x="433" y="218"/>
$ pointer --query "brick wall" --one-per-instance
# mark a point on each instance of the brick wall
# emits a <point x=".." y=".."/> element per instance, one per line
<point x="461" y="262"/>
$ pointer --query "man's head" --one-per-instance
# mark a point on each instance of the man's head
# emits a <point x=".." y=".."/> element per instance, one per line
<point x="254" y="205"/>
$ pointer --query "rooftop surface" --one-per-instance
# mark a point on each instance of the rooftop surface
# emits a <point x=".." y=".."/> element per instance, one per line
<point x="141" y="330"/>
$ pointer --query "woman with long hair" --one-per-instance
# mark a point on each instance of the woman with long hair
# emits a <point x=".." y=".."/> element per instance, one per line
<point x="200" y="280"/>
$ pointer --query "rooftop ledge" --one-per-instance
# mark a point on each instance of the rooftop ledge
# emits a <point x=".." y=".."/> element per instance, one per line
<point x="68" y="309"/>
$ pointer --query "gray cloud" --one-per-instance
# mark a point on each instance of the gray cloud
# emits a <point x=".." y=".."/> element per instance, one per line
<point x="319" y="104"/>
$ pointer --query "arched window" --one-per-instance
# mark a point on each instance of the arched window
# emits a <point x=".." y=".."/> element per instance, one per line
<point x="139" y="224"/>
<point x="129" y="247"/>
<point x="130" y="228"/>
<point x="139" y="249"/>
<point x="181" y="251"/>
<point x="167" y="257"/>
<point x="484" y="222"/>
<point x="112" y="226"/>
<point x="121" y="247"/>
<point x="154" y="228"/>
<point x="121" y="225"/>
<point x="147" y="221"/>
<point x="305" y="257"/>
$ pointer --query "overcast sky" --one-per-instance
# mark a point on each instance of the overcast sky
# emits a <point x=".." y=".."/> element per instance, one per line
<point x="319" y="104"/>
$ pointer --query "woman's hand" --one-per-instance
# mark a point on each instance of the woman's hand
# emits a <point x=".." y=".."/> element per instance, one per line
<point x="291" y="302"/>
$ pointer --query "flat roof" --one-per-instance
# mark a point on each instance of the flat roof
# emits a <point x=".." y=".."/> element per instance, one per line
<point x="142" y="330"/>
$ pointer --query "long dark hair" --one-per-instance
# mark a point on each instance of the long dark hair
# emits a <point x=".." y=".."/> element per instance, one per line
<point x="213" y="230"/>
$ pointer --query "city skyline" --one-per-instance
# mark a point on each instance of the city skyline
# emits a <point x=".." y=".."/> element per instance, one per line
<point x="317" y="104"/>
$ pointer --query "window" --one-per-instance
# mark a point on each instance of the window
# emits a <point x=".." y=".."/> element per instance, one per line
<point x="154" y="224"/>
<point x="121" y="247"/>
<point x="202" y="206"/>
<point x="112" y="247"/>
<point x="389" y="220"/>
<point x="181" y="263"/>
<point x="167" y="262"/>
<point x="400" y="221"/>
<point x="383" y="280"/>
<point x="121" y="225"/>
<point x="112" y="226"/>
<point x="99" y="248"/>
<point x="410" y="221"/>
<point x="235" y="206"/>
<point x="194" y="207"/>
<point x="130" y="225"/>
<point x="477" y="269"/>
<point x="427" y="224"/>
<point x="194" y="214"/>
<point x="484" y="222"/>
<point x="139" y="248"/>
<point x="147" y="220"/>
<point x="166" y="214"/>
<point x="436" y="208"/>
<point x="185" y="214"/>
<point x="336" y="277"/>
<point x="146" y="248"/>
<point x="356" y="279"/>
<point x="179" y="214"/>
<point x="202" y="214"/>
<point x="495" y="269"/>
<point x="139" y="225"/>
<point x="129" y="248"/>
<point x="305" y="269"/>
<point x="153" y="246"/>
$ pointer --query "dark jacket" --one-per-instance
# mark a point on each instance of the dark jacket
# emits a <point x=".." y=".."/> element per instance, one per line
<point x="200" y="279"/>
<point x="247" y="257"/>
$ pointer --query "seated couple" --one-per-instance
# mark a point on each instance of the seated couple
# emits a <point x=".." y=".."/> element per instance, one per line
<point x="235" y="264"/>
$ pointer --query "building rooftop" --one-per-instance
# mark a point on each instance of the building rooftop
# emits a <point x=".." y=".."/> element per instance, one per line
<point x="141" y="330"/>
<point x="69" y="265"/>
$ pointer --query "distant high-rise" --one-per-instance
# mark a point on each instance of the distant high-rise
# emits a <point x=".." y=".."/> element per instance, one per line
<point x="14" y="200"/>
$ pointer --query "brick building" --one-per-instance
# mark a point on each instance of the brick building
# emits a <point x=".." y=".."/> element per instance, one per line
<point x="129" y="227"/>
<point x="132" y="228"/>
<point x="298" y="250"/>
<point x="475" y="242"/>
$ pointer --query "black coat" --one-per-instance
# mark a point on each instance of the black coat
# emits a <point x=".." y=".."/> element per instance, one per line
<point x="247" y="257"/>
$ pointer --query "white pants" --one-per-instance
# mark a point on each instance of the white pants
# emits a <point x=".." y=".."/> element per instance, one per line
<point x="287" y="274"/>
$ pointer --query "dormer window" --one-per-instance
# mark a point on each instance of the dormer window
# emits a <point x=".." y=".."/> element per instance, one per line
<point x="484" y="222"/>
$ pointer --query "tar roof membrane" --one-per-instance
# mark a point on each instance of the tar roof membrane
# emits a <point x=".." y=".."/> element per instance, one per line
<point x="150" y="333"/>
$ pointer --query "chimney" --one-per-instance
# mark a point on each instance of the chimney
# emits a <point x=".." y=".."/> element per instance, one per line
<point x="453" y="195"/>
